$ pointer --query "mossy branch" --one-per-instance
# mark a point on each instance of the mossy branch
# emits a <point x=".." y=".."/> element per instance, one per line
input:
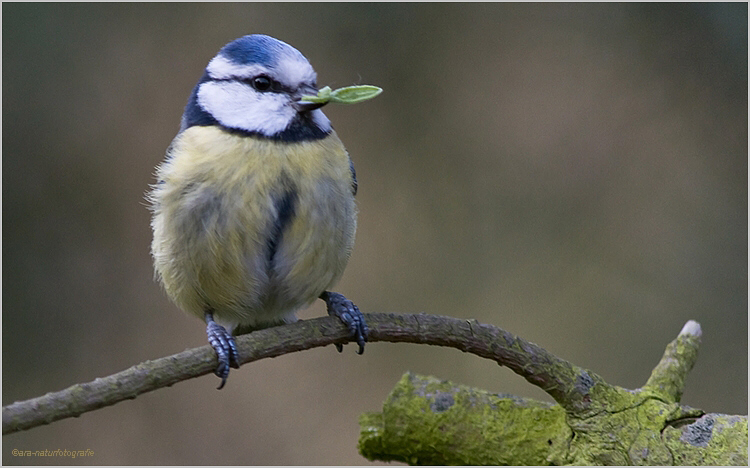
<point x="582" y="396"/>
<point x="433" y="422"/>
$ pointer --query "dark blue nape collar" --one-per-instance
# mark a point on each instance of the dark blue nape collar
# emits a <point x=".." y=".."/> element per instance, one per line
<point x="302" y="127"/>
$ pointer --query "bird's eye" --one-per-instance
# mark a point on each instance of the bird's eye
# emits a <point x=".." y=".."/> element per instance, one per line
<point x="261" y="83"/>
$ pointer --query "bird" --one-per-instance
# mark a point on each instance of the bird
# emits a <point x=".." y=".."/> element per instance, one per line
<point x="253" y="211"/>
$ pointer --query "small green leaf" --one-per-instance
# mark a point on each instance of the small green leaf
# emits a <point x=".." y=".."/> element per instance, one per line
<point x="324" y="95"/>
<point x="355" y="94"/>
<point x="346" y="95"/>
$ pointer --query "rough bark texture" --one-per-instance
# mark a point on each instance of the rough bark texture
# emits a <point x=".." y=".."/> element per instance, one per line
<point x="426" y="421"/>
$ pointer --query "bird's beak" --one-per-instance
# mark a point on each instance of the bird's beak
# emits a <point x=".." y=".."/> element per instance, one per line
<point x="307" y="106"/>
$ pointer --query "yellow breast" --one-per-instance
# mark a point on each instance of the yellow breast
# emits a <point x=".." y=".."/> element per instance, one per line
<point x="251" y="228"/>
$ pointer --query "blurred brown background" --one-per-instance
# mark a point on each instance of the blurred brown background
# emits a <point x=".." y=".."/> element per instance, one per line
<point x="575" y="174"/>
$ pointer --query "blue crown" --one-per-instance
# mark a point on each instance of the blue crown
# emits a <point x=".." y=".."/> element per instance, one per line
<point x="257" y="49"/>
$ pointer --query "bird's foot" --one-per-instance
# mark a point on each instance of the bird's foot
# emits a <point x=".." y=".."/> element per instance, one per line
<point x="347" y="312"/>
<point x="226" y="349"/>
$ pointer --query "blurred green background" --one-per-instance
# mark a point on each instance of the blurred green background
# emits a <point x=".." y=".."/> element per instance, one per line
<point x="575" y="174"/>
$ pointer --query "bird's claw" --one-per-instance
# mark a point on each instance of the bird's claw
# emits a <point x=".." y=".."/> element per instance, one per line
<point x="341" y="307"/>
<point x="226" y="350"/>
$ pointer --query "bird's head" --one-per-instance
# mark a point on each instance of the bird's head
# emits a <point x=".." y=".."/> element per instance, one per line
<point x="253" y="86"/>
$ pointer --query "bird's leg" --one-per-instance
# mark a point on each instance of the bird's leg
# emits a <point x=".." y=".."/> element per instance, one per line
<point x="347" y="312"/>
<point x="226" y="349"/>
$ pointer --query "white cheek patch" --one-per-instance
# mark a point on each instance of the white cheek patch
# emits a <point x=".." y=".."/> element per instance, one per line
<point x="221" y="68"/>
<point x="237" y="105"/>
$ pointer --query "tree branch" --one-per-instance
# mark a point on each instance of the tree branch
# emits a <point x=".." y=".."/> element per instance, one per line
<point x="569" y="385"/>
<point x="668" y="377"/>
<point x="431" y="421"/>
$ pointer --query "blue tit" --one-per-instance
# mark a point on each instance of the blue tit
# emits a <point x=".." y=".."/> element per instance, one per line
<point x="253" y="212"/>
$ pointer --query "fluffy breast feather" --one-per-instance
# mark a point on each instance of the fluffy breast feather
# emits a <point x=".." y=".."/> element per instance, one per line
<point x="251" y="228"/>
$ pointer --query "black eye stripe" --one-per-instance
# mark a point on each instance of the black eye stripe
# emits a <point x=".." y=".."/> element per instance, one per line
<point x="276" y="86"/>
